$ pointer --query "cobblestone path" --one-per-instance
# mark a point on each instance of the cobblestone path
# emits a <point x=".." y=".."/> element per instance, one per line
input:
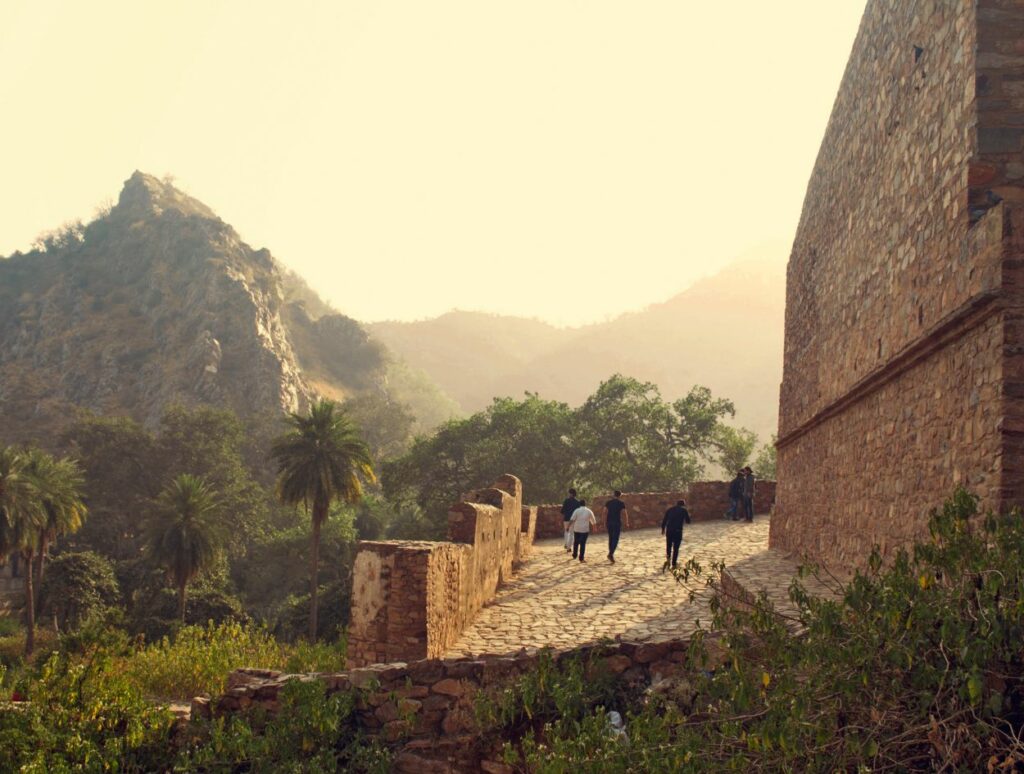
<point x="554" y="600"/>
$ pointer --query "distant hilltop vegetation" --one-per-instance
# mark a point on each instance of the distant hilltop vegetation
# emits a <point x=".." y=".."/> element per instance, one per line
<point x="724" y="332"/>
<point x="158" y="301"/>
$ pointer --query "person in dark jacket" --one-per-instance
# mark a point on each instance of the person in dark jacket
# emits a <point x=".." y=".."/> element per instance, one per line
<point x="672" y="529"/>
<point x="748" y="494"/>
<point x="735" y="496"/>
<point x="569" y="507"/>
<point x="615" y="511"/>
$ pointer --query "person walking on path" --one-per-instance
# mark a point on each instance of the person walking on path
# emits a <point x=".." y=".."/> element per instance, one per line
<point x="672" y="529"/>
<point x="736" y="495"/>
<point x="616" y="513"/>
<point x="748" y="494"/>
<point x="582" y="521"/>
<point x="568" y="509"/>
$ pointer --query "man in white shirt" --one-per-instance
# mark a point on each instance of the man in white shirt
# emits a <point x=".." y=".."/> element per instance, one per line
<point x="582" y="521"/>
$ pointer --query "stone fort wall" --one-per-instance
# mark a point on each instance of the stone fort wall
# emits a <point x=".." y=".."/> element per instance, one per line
<point x="903" y="372"/>
<point x="705" y="500"/>
<point x="412" y="599"/>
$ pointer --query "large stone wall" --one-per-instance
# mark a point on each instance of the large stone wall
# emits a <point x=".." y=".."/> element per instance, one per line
<point x="903" y="371"/>
<point x="425" y="709"/>
<point x="705" y="500"/>
<point x="412" y="599"/>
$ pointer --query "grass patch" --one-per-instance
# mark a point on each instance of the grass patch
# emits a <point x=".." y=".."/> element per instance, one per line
<point x="198" y="659"/>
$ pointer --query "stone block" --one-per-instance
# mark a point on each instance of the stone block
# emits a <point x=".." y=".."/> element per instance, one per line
<point x="449" y="687"/>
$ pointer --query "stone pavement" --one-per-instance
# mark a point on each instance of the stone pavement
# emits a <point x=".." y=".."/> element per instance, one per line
<point x="556" y="601"/>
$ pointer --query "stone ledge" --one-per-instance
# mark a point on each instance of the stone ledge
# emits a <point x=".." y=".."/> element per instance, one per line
<point x="771" y="571"/>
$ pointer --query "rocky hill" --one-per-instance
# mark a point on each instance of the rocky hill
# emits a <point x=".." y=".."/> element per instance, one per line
<point x="724" y="332"/>
<point x="159" y="301"/>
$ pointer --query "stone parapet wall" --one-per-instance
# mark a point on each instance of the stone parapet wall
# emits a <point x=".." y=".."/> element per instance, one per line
<point x="425" y="709"/>
<point x="705" y="500"/>
<point x="904" y="347"/>
<point x="412" y="599"/>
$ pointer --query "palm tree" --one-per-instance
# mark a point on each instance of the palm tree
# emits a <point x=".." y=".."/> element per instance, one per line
<point x="21" y="519"/>
<point x="59" y="485"/>
<point x="320" y="459"/>
<point x="182" y="536"/>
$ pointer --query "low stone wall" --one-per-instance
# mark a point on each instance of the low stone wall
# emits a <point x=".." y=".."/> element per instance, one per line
<point x="412" y="599"/>
<point x="706" y="501"/>
<point x="425" y="709"/>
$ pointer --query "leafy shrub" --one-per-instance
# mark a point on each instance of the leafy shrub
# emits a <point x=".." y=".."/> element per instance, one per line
<point x="914" y="665"/>
<point x="199" y="658"/>
<point x="312" y="731"/>
<point x="83" y="715"/>
<point x="77" y="586"/>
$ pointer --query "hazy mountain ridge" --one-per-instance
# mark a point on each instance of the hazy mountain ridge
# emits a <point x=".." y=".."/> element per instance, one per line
<point x="159" y="301"/>
<point x="724" y="332"/>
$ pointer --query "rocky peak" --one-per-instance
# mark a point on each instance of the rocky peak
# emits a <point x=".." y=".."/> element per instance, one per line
<point x="144" y="195"/>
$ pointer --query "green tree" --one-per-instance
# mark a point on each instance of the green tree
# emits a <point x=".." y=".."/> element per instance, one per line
<point x="385" y="424"/>
<point x="531" y="437"/>
<point x="123" y="471"/>
<point x="182" y="536"/>
<point x="735" y="445"/>
<point x="78" y="586"/>
<point x="764" y="463"/>
<point x="631" y="438"/>
<point x="22" y="520"/>
<point x="59" y="484"/>
<point x="209" y="443"/>
<point x="320" y="461"/>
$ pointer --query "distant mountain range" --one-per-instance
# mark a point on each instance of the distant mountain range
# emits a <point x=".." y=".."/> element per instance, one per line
<point x="724" y="332"/>
<point x="158" y="301"/>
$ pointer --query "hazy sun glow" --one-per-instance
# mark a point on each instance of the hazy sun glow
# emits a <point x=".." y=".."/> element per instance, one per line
<point x="552" y="158"/>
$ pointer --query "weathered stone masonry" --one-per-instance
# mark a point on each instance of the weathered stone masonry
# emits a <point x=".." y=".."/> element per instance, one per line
<point x="412" y="599"/>
<point x="705" y="500"/>
<point x="904" y="349"/>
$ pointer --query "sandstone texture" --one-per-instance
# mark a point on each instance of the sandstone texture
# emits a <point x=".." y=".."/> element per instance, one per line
<point x="437" y="731"/>
<point x="705" y="500"/>
<point x="412" y="599"/>
<point x="903" y="351"/>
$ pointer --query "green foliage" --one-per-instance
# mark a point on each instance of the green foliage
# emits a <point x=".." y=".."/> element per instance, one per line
<point x="764" y="463"/>
<point x="198" y="659"/>
<point x="735" y="445"/>
<point x="321" y="460"/>
<point x="384" y="423"/>
<point x="90" y="709"/>
<point x="551" y="698"/>
<point x="913" y="665"/>
<point x="78" y="586"/>
<point x="624" y="436"/>
<point x="274" y="583"/>
<point x="84" y="714"/>
<point x="126" y="468"/>
<point x="182" y="535"/>
<point x="123" y="473"/>
<point x="312" y="732"/>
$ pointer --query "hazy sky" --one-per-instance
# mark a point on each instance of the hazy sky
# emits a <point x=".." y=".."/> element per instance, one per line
<point x="552" y="158"/>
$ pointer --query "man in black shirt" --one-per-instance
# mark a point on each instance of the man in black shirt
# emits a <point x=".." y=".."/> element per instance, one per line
<point x="672" y="529"/>
<point x="616" y="512"/>
<point x="568" y="508"/>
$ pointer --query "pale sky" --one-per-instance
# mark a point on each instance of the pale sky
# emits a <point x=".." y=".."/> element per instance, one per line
<point x="563" y="159"/>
